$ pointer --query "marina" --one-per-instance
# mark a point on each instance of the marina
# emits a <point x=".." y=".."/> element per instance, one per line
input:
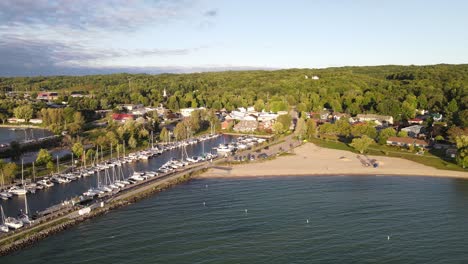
<point x="107" y="178"/>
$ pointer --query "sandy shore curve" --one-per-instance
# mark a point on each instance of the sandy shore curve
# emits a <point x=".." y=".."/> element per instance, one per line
<point x="311" y="160"/>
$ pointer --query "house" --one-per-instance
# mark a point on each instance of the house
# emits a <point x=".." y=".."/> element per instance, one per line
<point x="47" y="96"/>
<point x="246" y="126"/>
<point x="436" y="117"/>
<point x="226" y="124"/>
<point x="187" y="112"/>
<point x="132" y="107"/>
<point x="266" y="125"/>
<point x="322" y="115"/>
<point x="122" y="117"/>
<point x="35" y="121"/>
<point x="451" y="152"/>
<point x="237" y="115"/>
<point x="15" y="120"/>
<point x="338" y="116"/>
<point x="406" y="142"/>
<point x="264" y="117"/>
<point x="417" y="121"/>
<point x="378" y="119"/>
<point x="315" y="77"/>
<point x="413" y="131"/>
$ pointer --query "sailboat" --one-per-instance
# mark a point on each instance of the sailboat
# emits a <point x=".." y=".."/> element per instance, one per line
<point x="3" y="227"/>
<point x="24" y="216"/>
<point x="4" y="194"/>
<point x="16" y="190"/>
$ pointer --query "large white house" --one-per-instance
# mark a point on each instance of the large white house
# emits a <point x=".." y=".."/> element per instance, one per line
<point x="379" y="119"/>
<point x="187" y="112"/>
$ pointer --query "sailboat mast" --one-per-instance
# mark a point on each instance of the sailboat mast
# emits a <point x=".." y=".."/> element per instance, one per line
<point x="34" y="172"/>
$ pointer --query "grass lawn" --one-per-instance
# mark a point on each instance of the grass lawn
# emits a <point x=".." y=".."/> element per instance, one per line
<point x="427" y="159"/>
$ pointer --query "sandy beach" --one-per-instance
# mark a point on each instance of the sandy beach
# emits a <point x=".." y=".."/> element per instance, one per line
<point x="310" y="159"/>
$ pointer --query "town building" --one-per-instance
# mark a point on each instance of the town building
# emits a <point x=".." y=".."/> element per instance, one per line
<point x="122" y="117"/>
<point x="406" y="142"/>
<point x="380" y="120"/>
<point x="245" y="126"/>
<point x="413" y="131"/>
<point x="47" y="96"/>
<point x="415" y="121"/>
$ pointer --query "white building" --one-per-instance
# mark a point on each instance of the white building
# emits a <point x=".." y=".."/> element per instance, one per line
<point x="187" y="112"/>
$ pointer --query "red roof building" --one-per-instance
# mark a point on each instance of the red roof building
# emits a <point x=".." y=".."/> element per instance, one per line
<point x="122" y="117"/>
<point x="418" y="121"/>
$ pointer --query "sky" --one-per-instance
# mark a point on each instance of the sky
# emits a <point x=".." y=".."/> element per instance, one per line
<point x="74" y="37"/>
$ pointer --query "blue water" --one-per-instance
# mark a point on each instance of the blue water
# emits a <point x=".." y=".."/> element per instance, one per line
<point x="355" y="219"/>
<point x="19" y="134"/>
<point x="45" y="198"/>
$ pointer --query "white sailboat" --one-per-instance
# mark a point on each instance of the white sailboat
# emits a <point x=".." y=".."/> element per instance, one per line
<point x="24" y="216"/>
<point x="5" y="195"/>
<point x="3" y="227"/>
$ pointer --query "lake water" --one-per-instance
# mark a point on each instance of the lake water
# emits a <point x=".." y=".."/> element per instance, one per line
<point x="61" y="192"/>
<point x="19" y="134"/>
<point x="355" y="219"/>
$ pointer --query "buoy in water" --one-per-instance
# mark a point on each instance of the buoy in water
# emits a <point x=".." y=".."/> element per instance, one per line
<point x="307" y="221"/>
<point x="388" y="237"/>
<point x="204" y="204"/>
<point x="245" y="210"/>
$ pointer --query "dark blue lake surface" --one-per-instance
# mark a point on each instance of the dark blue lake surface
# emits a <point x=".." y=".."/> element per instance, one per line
<point x="358" y="219"/>
<point x="61" y="192"/>
<point x="19" y="134"/>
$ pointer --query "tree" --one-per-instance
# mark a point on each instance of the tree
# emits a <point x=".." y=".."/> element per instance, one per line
<point x="259" y="105"/>
<point x="311" y="128"/>
<point x="462" y="150"/>
<point x="50" y="166"/>
<point x="278" y="128"/>
<point x="164" y="135"/>
<point x="180" y="131"/>
<point x="43" y="157"/>
<point x="132" y="143"/>
<point x="402" y="133"/>
<point x="78" y="149"/>
<point x="3" y="117"/>
<point x="343" y="127"/>
<point x="24" y="112"/>
<point x="90" y="154"/>
<point x="455" y="132"/>
<point x="301" y="128"/>
<point x="285" y="120"/>
<point x="384" y="134"/>
<point x="328" y="130"/>
<point x="367" y="129"/>
<point x="8" y="171"/>
<point x="361" y="144"/>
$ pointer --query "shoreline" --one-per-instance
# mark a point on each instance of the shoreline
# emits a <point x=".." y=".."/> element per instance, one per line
<point x="312" y="160"/>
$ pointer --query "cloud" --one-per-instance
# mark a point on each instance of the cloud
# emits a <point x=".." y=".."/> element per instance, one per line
<point x="85" y="14"/>
<point x="30" y="54"/>
<point x="211" y="13"/>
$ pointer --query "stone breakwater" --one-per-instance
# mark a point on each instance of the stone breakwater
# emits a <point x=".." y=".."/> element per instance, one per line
<point x="31" y="236"/>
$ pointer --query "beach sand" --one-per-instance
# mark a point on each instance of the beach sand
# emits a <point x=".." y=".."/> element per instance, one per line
<point x="310" y="159"/>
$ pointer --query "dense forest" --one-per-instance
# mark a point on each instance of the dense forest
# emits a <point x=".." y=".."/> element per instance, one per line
<point x="389" y="90"/>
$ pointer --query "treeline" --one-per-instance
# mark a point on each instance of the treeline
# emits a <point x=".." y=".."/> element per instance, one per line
<point x="388" y="90"/>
